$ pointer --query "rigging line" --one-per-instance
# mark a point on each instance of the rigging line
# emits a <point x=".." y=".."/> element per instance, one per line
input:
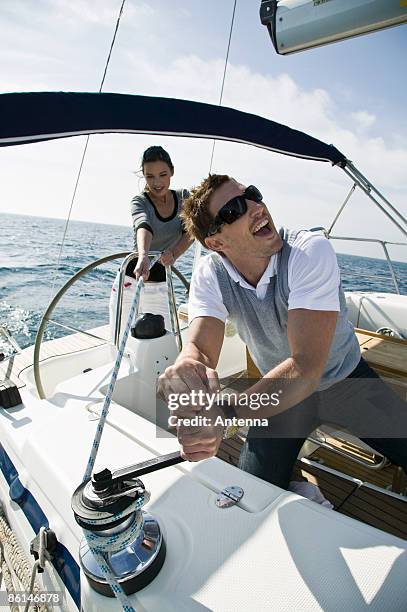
<point x="224" y="74"/>
<point x="86" y="148"/>
<point x="112" y="45"/>
<point x="198" y="246"/>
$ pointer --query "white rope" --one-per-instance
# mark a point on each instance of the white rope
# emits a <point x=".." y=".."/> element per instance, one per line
<point x="108" y="398"/>
<point x="35" y="568"/>
<point x="6" y="575"/>
<point x="102" y="545"/>
<point x="14" y="565"/>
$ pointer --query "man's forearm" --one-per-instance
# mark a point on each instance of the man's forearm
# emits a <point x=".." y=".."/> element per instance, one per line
<point x="191" y="351"/>
<point x="283" y="387"/>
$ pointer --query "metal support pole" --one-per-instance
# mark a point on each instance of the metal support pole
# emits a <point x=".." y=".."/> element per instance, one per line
<point x="373" y="188"/>
<point x="367" y="187"/>
<point x="393" y="275"/>
<point x="342" y="207"/>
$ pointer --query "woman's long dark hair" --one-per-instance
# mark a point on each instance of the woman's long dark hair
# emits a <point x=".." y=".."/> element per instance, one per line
<point x="153" y="154"/>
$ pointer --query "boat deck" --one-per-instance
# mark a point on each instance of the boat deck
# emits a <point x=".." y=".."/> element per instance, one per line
<point x="353" y="489"/>
<point x="11" y="369"/>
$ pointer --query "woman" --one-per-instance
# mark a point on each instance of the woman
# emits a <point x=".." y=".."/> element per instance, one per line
<point x="157" y="227"/>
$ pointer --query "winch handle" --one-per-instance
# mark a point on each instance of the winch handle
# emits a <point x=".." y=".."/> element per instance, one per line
<point x="107" y="478"/>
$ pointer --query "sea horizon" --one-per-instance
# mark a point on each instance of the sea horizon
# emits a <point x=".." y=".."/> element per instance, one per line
<point x="63" y="220"/>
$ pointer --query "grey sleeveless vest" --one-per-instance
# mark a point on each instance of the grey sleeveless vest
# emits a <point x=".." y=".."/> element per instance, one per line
<point x="262" y="324"/>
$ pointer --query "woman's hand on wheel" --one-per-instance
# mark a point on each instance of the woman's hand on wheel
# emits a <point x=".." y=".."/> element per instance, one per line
<point x="142" y="268"/>
<point x="167" y="258"/>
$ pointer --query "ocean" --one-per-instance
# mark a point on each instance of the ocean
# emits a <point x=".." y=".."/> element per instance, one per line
<point x="29" y="276"/>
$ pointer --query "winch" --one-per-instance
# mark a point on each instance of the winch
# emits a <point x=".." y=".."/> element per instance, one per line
<point x="108" y="506"/>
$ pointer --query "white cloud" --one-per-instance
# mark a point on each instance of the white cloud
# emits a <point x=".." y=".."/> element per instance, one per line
<point x="74" y="12"/>
<point x="363" y="119"/>
<point x="86" y="11"/>
<point x="63" y="44"/>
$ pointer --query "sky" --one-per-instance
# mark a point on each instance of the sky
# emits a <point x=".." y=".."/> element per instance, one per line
<point x="351" y="94"/>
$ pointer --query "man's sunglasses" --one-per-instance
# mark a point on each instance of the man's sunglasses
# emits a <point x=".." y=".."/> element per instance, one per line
<point x="234" y="209"/>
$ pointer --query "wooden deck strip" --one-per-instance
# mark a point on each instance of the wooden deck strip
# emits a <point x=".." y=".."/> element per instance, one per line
<point x="72" y="343"/>
<point x="229" y="450"/>
<point x="383" y="352"/>
<point x="366" y="333"/>
<point x="361" y="336"/>
<point x="381" y="478"/>
<point x="380" y="502"/>
<point x="10" y="369"/>
<point x="355" y="513"/>
<point x="372" y="507"/>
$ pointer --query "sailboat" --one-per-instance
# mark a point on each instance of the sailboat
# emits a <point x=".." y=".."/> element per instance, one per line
<point x="179" y="536"/>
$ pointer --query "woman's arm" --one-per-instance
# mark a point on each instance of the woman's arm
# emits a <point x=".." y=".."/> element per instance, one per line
<point x="181" y="246"/>
<point x="170" y="255"/>
<point x="144" y="238"/>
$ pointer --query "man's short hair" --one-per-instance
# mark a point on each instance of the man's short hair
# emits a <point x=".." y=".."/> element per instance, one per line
<point x="195" y="212"/>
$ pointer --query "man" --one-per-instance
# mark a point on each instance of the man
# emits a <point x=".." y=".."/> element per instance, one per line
<point x="282" y="291"/>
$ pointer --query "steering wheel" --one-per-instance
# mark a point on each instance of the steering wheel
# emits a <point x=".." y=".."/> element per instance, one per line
<point x="46" y="317"/>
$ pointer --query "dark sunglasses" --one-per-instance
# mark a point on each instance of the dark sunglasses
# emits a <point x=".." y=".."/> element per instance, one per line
<point x="234" y="209"/>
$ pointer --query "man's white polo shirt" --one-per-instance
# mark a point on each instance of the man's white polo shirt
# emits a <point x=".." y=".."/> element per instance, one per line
<point x="313" y="279"/>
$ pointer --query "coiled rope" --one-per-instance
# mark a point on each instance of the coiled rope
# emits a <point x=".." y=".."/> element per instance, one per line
<point x="102" y="545"/>
<point x="15" y="569"/>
